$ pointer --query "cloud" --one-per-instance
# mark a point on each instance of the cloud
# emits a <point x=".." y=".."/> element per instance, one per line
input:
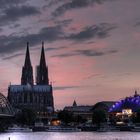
<point x="14" y="13"/>
<point x="51" y="3"/>
<point x="55" y="48"/>
<point x="74" y="4"/>
<point x="13" y="43"/>
<point x="91" y="53"/>
<point x="12" y="56"/>
<point x="8" y="3"/>
<point x="64" y="22"/>
<point x="137" y="24"/>
<point x="51" y="48"/>
<point x="65" y="87"/>
<point x="95" y="31"/>
<point x="88" y="53"/>
<point x="15" y="26"/>
<point x="65" y="55"/>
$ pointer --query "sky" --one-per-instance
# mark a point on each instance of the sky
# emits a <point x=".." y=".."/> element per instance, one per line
<point x="92" y="47"/>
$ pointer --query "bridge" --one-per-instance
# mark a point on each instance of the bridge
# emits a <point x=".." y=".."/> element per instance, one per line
<point x="6" y="110"/>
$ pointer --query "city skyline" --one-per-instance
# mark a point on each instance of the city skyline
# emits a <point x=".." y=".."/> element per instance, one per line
<point x="91" y="46"/>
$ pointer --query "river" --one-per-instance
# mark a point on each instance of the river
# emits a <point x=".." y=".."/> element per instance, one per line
<point x="71" y="136"/>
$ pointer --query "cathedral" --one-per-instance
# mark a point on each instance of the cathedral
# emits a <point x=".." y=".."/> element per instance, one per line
<point x="39" y="96"/>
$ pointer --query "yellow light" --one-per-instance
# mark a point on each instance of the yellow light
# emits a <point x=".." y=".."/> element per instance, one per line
<point x="127" y="112"/>
<point x="118" y="114"/>
<point x="119" y="123"/>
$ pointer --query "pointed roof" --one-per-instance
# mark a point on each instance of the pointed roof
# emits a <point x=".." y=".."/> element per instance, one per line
<point x="136" y="93"/>
<point x="27" y="57"/>
<point x="42" y="58"/>
<point x="74" y="103"/>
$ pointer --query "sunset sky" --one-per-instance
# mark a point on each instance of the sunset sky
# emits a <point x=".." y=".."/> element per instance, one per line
<point x="92" y="46"/>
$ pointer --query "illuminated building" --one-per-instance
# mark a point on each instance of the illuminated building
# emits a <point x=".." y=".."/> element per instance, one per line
<point x="125" y="109"/>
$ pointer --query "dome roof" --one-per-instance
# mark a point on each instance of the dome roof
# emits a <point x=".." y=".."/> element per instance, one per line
<point x="127" y="103"/>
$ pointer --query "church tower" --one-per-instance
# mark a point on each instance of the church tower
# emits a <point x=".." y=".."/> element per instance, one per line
<point x="42" y="70"/>
<point x="27" y="70"/>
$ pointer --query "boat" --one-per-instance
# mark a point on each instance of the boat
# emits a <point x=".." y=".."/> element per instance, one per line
<point x="62" y="129"/>
<point x="136" y="129"/>
<point x="39" y="126"/>
<point x="16" y="128"/>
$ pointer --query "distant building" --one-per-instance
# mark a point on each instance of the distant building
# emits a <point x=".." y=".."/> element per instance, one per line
<point x="39" y="96"/>
<point x="83" y="110"/>
<point x="126" y="108"/>
<point x="103" y="105"/>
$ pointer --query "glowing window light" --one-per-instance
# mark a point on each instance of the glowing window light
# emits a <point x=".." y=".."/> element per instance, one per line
<point x="127" y="111"/>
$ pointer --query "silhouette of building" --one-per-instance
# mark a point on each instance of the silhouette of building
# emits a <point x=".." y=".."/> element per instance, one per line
<point x="39" y="96"/>
<point x="103" y="105"/>
<point x="85" y="111"/>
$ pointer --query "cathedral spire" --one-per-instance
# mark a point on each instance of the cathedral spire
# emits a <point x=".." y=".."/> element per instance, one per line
<point x="42" y="69"/>
<point x="74" y="103"/>
<point x="27" y="58"/>
<point x="42" y="58"/>
<point x="27" y="71"/>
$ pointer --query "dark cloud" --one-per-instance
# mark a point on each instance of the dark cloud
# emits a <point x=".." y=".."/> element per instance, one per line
<point x="51" y="48"/>
<point x="12" y="56"/>
<point x="66" y="55"/>
<point x="74" y="4"/>
<point x="8" y="3"/>
<point x="90" y="42"/>
<point x="91" y="53"/>
<point x="65" y="87"/>
<point x="14" y="26"/>
<point x="13" y="43"/>
<point x="16" y="42"/>
<point x="47" y="49"/>
<point x="1" y="29"/>
<point x="55" y="48"/>
<point x="92" y="75"/>
<point x="88" y="53"/>
<point x="137" y="24"/>
<point x="51" y="3"/>
<point x="14" y="13"/>
<point x="95" y="31"/>
<point x="63" y="22"/>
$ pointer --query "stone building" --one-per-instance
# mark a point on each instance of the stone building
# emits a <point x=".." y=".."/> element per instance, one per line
<point x="85" y="111"/>
<point x="39" y="96"/>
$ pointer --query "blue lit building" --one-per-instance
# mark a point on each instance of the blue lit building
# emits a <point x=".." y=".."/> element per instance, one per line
<point x="132" y="103"/>
<point x="125" y="110"/>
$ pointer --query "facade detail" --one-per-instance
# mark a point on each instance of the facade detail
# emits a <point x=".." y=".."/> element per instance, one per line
<point x="39" y="96"/>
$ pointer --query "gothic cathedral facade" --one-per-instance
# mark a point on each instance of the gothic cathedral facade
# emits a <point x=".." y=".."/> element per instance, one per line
<point x="39" y="96"/>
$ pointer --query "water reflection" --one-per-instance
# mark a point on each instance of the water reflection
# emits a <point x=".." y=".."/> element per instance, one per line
<point x="71" y="136"/>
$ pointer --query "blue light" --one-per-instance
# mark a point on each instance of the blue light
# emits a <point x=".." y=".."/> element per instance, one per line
<point x="129" y="102"/>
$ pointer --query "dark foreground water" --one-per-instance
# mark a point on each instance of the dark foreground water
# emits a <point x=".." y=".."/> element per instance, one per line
<point x="72" y="136"/>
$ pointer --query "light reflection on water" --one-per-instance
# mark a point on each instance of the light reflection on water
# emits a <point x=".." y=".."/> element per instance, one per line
<point x="72" y="136"/>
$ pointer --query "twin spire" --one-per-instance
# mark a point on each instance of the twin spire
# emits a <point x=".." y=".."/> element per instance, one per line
<point x="27" y="58"/>
<point x="42" y="69"/>
<point x="42" y="58"/>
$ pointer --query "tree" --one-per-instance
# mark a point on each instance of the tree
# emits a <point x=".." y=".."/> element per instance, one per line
<point x="65" y="116"/>
<point x="26" y="116"/>
<point x="98" y="117"/>
<point x="79" y="119"/>
<point x="136" y="117"/>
